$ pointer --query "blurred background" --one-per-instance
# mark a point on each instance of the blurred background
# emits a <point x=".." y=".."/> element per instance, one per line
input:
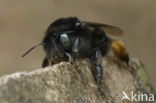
<point x="23" y="23"/>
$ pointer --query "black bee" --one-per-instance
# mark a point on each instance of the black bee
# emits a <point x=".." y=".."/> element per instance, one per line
<point x="69" y="38"/>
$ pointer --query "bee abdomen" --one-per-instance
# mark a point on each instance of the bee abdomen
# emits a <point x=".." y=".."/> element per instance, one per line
<point x="120" y="50"/>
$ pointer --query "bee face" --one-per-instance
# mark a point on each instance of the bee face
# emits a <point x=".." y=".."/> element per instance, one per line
<point x="53" y="47"/>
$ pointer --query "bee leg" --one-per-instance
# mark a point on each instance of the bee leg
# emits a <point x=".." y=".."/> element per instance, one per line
<point x="45" y="63"/>
<point x="69" y="56"/>
<point x="98" y="70"/>
<point x="75" y="48"/>
<point x="98" y="74"/>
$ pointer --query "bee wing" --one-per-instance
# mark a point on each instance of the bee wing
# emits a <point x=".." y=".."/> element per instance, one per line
<point x="108" y="29"/>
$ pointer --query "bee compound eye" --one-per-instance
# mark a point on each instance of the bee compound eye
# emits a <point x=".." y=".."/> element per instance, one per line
<point x="65" y="40"/>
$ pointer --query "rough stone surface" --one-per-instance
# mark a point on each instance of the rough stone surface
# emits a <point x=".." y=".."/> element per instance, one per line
<point x="66" y="83"/>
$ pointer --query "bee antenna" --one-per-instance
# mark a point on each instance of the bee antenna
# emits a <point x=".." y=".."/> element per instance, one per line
<point x="32" y="49"/>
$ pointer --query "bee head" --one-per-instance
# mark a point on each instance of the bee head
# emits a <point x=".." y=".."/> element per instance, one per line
<point x="57" y="38"/>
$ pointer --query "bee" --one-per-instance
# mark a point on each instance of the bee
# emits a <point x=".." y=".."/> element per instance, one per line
<point x="68" y="39"/>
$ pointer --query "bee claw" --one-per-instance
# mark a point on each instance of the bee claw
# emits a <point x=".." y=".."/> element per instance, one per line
<point x="69" y="57"/>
